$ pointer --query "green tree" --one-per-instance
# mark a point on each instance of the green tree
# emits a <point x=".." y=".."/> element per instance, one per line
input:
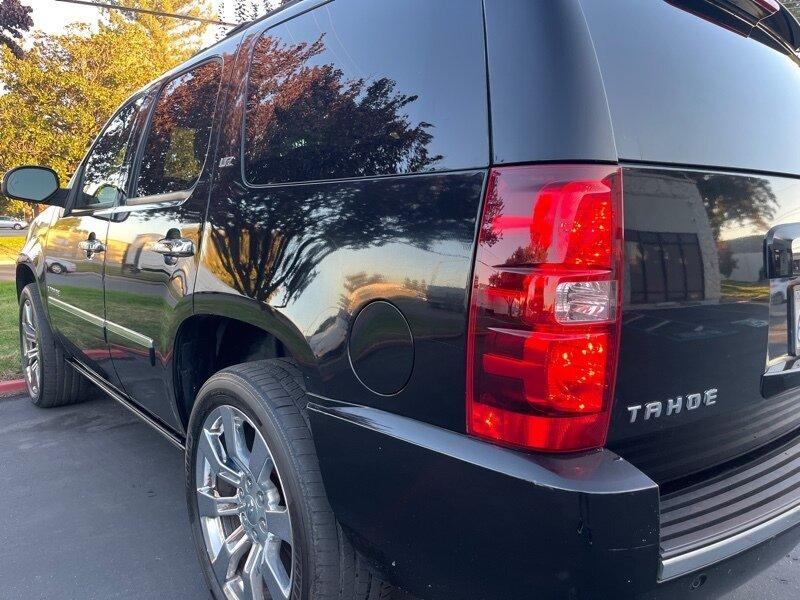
<point x="59" y="94"/>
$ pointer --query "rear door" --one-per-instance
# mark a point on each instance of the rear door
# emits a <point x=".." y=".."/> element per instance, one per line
<point x="76" y="242"/>
<point x="706" y="123"/>
<point x="153" y="237"/>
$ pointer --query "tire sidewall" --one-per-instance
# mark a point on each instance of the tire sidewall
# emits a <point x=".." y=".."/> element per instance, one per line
<point x="227" y="389"/>
<point x="27" y="295"/>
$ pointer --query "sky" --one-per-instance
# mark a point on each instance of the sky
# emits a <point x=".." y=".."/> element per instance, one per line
<point x="51" y="16"/>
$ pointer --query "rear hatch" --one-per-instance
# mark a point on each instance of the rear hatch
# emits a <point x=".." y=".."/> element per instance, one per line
<point x="706" y="120"/>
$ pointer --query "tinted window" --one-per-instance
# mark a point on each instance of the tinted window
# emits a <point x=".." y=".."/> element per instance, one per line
<point x="105" y="175"/>
<point x="664" y="266"/>
<point x="684" y="90"/>
<point x="178" y="139"/>
<point x="364" y="88"/>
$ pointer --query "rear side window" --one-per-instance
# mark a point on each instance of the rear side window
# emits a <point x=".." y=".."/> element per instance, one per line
<point x="180" y="131"/>
<point x="364" y="88"/>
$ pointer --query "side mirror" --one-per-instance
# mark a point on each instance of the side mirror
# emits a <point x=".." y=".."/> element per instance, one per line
<point x="107" y="194"/>
<point x="33" y="184"/>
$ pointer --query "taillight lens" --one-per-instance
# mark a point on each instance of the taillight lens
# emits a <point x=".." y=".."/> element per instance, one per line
<point x="545" y="307"/>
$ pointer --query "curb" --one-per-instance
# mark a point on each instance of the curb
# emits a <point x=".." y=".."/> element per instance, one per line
<point x="12" y="387"/>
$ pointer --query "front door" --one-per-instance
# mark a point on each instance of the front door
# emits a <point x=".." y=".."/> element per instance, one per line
<point x="153" y="238"/>
<point x="76" y="243"/>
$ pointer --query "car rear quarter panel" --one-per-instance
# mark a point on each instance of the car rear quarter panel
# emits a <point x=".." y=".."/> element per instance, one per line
<point x="301" y="260"/>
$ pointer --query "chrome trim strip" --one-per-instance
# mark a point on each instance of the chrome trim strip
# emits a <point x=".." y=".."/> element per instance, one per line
<point x="174" y="439"/>
<point x="703" y="557"/>
<point x="78" y="312"/>
<point x="130" y="335"/>
<point x="157" y="199"/>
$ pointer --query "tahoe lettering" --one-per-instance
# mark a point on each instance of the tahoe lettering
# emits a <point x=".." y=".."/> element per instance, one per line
<point x="672" y="406"/>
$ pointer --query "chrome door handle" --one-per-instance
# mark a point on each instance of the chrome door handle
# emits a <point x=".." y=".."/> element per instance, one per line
<point x="91" y="247"/>
<point x="174" y="247"/>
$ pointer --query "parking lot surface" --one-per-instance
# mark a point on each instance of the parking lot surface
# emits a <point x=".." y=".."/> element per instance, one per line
<point x="94" y="508"/>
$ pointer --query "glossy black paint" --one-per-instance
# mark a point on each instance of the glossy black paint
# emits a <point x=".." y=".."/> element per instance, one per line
<point x="480" y="521"/>
<point x="324" y="265"/>
<point x="305" y="257"/>
<point x="700" y="313"/>
<point x="133" y="300"/>
<point x="381" y="348"/>
<point x="547" y="96"/>
<point x="684" y="90"/>
<point x="146" y="292"/>
<point x="447" y="516"/>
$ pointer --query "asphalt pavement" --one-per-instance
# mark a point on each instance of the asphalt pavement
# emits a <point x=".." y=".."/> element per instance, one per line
<point x="7" y="232"/>
<point x="93" y="508"/>
<point x="8" y="272"/>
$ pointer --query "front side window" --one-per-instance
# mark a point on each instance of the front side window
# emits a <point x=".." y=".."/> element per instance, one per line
<point x="178" y="140"/>
<point x="105" y="174"/>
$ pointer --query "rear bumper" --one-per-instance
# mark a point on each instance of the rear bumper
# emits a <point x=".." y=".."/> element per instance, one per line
<point x="444" y="515"/>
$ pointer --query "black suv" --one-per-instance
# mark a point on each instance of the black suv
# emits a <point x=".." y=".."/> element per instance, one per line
<point x="464" y="298"/>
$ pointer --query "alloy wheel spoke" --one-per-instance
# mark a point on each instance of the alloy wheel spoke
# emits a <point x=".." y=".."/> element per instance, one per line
<point x="249" y="562"/>
<point x="29" y="333"/>
<point x="279" y="524"/>
<point x="31" y="355"/>
<point x="229" y="555"/>
<point x="33" y="377"/>
<point x="210" y="448"/>
<point x="209" y="505"/>
<point x="252" y="581"/>
<point x="274" y="576"/>
<point x="260" y="462"/>
<point x="234" y="436"/>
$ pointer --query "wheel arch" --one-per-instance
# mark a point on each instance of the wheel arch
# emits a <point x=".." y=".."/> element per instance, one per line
<point x="225" y="330"/>
<point x="24" y="276"/>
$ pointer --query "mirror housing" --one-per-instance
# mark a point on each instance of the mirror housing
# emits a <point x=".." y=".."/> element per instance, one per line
<point x="38" y="185"/>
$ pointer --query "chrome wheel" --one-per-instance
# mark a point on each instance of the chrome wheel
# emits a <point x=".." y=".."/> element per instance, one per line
<point x="243" y="510"/>
<point x="31" y="355"/>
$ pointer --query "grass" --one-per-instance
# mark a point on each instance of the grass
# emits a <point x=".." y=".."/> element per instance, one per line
<point x="9" y="336"/>
<point x="9" y="248"/>
<point x="744" y="290"/>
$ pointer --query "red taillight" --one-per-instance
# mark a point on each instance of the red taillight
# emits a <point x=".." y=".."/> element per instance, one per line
<point x="545" y="307"/>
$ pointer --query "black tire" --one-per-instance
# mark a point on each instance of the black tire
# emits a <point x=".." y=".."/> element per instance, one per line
<point x="271" y="394"/>
<point x="17" y="226"/>
<point x="60" y="384"/>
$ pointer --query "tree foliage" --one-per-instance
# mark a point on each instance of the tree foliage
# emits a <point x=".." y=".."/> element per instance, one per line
<point x="61" y="92"/>
<point x="15" y="20"/>
<point x="247" y="10"/>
